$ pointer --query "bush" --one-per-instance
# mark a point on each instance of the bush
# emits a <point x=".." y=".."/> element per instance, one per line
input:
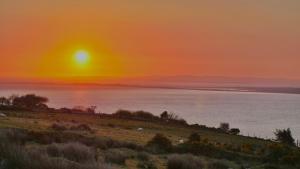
<point x="173" y="118"/>
<point x="247" y="148"/>
<point x="81" y="127"/>
<point x="144" y="115"/>
<point x="224" y="127"/>
<point x="17" y="136"/>
<point x="217" y="165"/>
<point x="115" y="156"/>
<point x="123" y="114"/>
<point x="185" y="161"/>
<point x="58" y="127"/>
<point x="143" y="156"/>
<point x="30" y="101"/>
<point x="160" y="143"/>
<point x="234" y="131"/>
<point x="17" y="157"/>
<point x="146" y="165"/>
<point x="276" y="152"/>
<point x="72" y="151"/>
<point x="270" y="166"/>
<point x="194" y="137"/>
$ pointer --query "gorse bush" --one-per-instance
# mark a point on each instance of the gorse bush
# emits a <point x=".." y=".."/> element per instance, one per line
<point x="217" y="165"/>
<point x="184" y="161"/>
<point x="81" y="127"/>
<point x="282" y="154"/>
<point x="139" y="115"/>
<point x="72" y="151"/>
<point x="234" y="131"/>
<point x="143" y="156"/>
<point x="58" y="127"/>
<point x="11" y="135"/>
<point x="116" y="156"/>
<point x="123" y="114"/>
<point x="194" y="137"/>
<point x="160" y="143"/>
<point x="18" y="157"/>
<point x="146" y="165"/>
<point x="48" y="137"/>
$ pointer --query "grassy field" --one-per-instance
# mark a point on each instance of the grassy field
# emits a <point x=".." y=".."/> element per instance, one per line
<point x="120" y="129"/>
<point x="127" y="131"/>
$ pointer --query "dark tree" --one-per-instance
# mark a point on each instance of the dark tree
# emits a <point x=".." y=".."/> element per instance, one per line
<point x="91" y="109"/>
<point x="285" y="136"/>
<point x="224" y="126"/>
<point x="4" y="101"/>
<point x="164" y="115"/>
<point x="29" y="101"/>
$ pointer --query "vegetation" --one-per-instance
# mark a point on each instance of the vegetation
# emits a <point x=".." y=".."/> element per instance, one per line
<point x="160" y="143"/>
<point x="194" y="137"/>
<point x="50" y="138"/>
<point x="285" y="137"/>
<point x="224" y="127"/>
<point x="184" y="161"/>
<point x="68" y="156"/>
<point x="217" y="165"/>
<point x="116" y="156"/>
<point x="146" y="165"/>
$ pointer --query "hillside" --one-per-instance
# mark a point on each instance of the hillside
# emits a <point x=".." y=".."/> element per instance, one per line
<point x="45" y="128"/>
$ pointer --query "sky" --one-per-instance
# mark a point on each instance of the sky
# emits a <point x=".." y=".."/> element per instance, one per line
<point x="132" y="38"/>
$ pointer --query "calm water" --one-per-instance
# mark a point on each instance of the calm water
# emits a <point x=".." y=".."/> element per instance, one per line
<point x="256" y="114"/>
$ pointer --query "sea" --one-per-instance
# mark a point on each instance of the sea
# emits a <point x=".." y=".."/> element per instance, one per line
<point x="255" y="114"/>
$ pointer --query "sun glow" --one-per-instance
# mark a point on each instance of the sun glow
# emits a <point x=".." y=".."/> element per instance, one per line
<point x="81" y="57"/>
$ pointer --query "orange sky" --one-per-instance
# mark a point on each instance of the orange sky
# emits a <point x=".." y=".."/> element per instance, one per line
<point x="256" y="38"/>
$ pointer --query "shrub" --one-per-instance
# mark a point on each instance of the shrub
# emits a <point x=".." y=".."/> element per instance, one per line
<point x="247" y="148"/>
<point x="275" y="151"/>
<point x="144" y="115"/>
<point x="160" y="143"/>
<point x="29" y="101"/>
<point x="224" y="127"/>
<point x="194" y="137"/>
<point x="58" y="127"/>
<point x="17" y="157"/>
<point x="81" y="127"/>
<point x="185" y="161"/>
<point x="292" y="158"/>
<point x="115" y="156"/>
<point x="270" y="166"/>
<point x="234" y="131"/>
<point x="123" y="114"/>
<point x="17" y="136"/>
<point x="72" y="151"/>
<point x="143" y="156"/>
<point x="164" y="115"/>
<point x="217" y="165"/>
<point x="173" y="118"/>
<point x="146" y="165"/>
<point x="285" y="137"/>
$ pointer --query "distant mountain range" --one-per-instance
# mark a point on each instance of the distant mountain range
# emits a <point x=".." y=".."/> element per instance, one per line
<point x="216" y="83"/>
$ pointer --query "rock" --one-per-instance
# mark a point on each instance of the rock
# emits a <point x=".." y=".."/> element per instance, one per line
<point x="140" y="129"/>
<point x="181" y="141"/>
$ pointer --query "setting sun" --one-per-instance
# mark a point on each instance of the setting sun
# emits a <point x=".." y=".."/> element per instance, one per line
<point x="81" y="57"/>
